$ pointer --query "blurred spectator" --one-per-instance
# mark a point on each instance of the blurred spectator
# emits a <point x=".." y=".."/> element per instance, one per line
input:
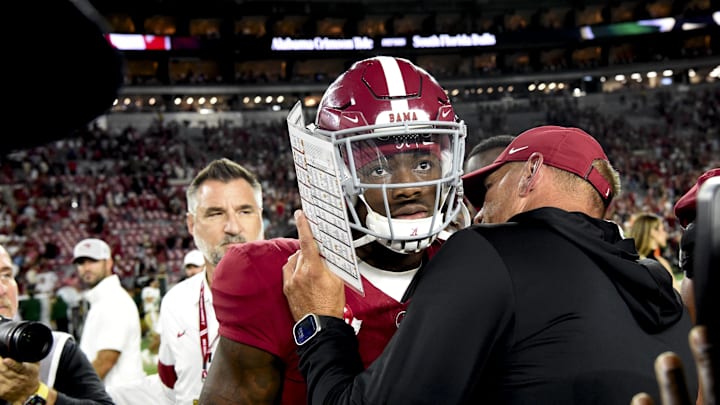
<point x="650" y="235"/>
<point x="193" y="263"/>
<point x="111" y="333"/>
<point x="151" y="303"/>
<point x="31" y="307"/>
<point x="59" y="313"/>
<point x="72" y="297"/>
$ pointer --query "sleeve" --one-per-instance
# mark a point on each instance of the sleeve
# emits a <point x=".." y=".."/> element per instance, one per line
<point x="166" y="357"/>
<point x="76" y="380"/>
<point x="248" y="296"/>
<point x="458" y="319"/>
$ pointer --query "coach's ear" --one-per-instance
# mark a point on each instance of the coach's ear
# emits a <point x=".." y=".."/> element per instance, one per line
<point x="531" y="173"/>
<point x="71" y="89"/>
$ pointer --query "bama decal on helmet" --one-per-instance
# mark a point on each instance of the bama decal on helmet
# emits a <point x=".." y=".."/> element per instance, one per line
<point x="391" y="117"/>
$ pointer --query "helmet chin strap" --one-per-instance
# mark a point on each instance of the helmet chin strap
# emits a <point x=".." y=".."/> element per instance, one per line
<point x="463" y="220"/>
<point x="364" y="240"/>
<point x="381" y="224"/>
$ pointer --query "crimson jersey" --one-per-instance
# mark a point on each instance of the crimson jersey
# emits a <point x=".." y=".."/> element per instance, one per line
<point x="252" y="309"/>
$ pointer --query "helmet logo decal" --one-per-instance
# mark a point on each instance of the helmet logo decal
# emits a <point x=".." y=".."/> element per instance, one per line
<point x="404" y="116"/>
<point x="414" y="232"/>
<point x="398" y="115"/>
<point x="354" y="120"/>
<point x="350" y="319"/>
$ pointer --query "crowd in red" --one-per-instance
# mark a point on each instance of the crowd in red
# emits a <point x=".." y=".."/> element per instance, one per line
<point x="128" y="188"/>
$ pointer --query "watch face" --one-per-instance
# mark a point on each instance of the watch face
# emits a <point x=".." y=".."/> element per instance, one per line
<point x="305" y="328"/>
<point x="36" y="400"/>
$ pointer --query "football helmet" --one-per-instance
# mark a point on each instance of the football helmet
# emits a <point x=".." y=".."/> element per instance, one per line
<point x="381" y="114"/>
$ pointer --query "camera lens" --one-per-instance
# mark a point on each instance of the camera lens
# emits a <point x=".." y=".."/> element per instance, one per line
<point x="25" y="341"/>
<point x="34" y="341"/>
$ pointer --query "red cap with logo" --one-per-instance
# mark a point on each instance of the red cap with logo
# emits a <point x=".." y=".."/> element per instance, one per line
<point x="686" y="206"/>
<point x="569" y="149"/>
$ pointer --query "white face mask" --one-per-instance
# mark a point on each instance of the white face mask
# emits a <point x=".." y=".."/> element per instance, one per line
<point x="407" y="235"/>
<point x="402" y="232"/>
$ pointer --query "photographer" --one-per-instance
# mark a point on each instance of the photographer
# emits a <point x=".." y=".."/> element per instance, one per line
<point x="61" y="378"/>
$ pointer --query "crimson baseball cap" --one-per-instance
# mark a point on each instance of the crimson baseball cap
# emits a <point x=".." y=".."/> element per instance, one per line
<point x="569" y="149"/>
<point x="686" y="207"/>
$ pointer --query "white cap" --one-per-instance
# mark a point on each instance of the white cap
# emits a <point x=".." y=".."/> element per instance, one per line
<point x="91" y="248"/>
<point x="195" y="258"/>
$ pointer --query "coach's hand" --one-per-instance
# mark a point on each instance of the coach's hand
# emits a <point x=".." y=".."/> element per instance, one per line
<point x="309" y="286"/>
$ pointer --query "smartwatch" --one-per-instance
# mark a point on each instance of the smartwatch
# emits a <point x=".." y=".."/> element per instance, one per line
<point x="306" y="328"/>
<point x="40" y="396"/>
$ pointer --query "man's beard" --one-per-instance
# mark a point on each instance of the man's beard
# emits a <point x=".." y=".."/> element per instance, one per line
<point x="216" y="253"/>
<point x="90" y="284"/>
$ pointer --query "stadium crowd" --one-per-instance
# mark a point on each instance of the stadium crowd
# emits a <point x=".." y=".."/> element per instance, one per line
<point x="128" y="188"/>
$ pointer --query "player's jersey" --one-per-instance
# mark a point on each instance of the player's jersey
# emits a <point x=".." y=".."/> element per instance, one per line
<point x="252" y="309"/>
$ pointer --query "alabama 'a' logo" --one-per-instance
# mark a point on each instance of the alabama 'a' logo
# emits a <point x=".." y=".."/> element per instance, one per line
<point x="350" y="319"/>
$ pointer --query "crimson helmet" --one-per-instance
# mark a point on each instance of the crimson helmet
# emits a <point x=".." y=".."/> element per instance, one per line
<point x="377" y="109"/>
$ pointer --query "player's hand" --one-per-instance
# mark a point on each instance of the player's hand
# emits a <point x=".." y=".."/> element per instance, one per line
<point x="671" y="378"/>
<point x="309" y="286"/>
<point x="18" y="380"/>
